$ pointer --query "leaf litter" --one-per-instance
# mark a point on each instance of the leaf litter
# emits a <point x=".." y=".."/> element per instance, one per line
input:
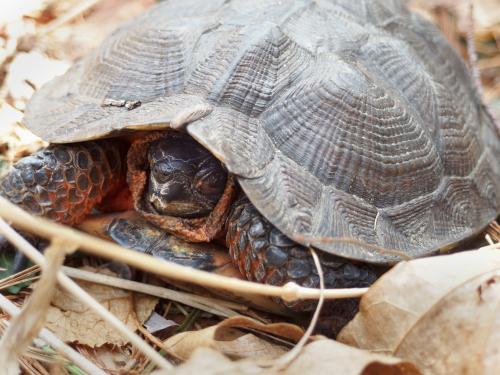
<point x="441" y="312"/>
<point x="319" y="357"/>
<point x="25" y="327"/>
<point x="74" y="322"/>
<point x="442" y="318"/>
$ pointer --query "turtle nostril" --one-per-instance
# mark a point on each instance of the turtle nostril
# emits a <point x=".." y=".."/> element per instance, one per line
<point x="161" y="196"/>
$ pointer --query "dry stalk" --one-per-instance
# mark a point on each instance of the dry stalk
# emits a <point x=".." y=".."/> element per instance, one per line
<point x="80" y="294"/>
<point x="69" y="16"/>
<point x="290" y="356"/>
<point x="108" y="250"/>
<point x="26" y="326"/>
<point x="47" y="336"/>
<point x="471" y="50"/>
<point x="211" y="305"/>
<point x="29" y="274"/>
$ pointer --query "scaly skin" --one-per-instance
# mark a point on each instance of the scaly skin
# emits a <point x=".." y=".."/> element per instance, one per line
<point x="65" y="182"/>
<point x="264" y="254"/>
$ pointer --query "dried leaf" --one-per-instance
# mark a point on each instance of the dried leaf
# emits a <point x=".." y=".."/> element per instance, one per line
<point x="12" y="11"/>
<point x="210" y="362"/>
<point x="328" y="356"/>
<point x="319" y="357"/>
<point x="112" y="359"/>
<point x="486" y="12"/>
<point x="228" y="339"/>
<point x="22" y="80"/>
<point x="72" y="321"/>
<point x="442" y="313"/>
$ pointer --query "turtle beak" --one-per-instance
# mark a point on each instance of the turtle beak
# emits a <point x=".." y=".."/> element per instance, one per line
<point x="176" y="199"/>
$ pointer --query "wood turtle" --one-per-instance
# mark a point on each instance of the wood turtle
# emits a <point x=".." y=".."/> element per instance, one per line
<point x="351" y="127"/>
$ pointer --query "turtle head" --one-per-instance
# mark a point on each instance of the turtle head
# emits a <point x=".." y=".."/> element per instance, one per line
<point x="185" y="179"/>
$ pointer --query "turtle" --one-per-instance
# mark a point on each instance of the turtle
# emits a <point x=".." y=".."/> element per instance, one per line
<point x="276" y="126"/>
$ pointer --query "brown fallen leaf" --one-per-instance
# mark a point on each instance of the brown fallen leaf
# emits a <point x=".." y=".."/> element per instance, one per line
<point x="72" y="321"/>
<point x="318" y="357"/>
<point x="329" y="356"/>
<point x="226" y="338"/>
<point x="442" y="313"/>
<point x="208" y="361"/>
<point x="113" y="359"/>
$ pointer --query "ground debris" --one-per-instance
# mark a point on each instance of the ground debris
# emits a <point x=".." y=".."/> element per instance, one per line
<point x="74" y="322"/>
<point x="421" y="309"/>
<point x="319" y="357"/>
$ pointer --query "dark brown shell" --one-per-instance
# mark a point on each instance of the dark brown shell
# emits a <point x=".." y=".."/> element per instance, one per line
<point x="342" y="119"/>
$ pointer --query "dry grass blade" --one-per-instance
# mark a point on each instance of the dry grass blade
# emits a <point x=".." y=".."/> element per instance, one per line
<point x="494" y="231"/>
<point x="80" y="294"/>
<point x="24" y="276"/>
<point x="29" y="322"/>
<point x="211" y="305"/>
<point x="289" y="357"/>
<point x="105" y="249"/>
<point x="471" y="50"/>
<point x="75" y="12"/>
<point x="54" y="342"/>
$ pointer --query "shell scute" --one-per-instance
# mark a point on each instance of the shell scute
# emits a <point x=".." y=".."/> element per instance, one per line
<point x="340" y="119"/>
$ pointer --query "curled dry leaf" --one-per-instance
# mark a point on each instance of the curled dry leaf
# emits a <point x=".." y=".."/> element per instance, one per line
<point x="72" y="321"/>
<point x="211" y="362"/>
<point x="226" y="338"/>
<point x="442" y="313"/>
<point x="328" y="356"/>
<point x="319" y="357"/>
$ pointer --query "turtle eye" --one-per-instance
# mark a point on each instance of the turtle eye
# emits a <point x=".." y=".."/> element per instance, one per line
<point x="165" y="170"/>
<point x="210" y="184"/>
<point x="210" y="180"/>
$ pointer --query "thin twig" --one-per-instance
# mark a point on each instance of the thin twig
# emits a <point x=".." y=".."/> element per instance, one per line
<point x="109" y="250"/>
<point x="67" y="17"/>
<point x="25" y="327"/>
<point x="83" y="296"/>
<point x="290" y="356"/>
<point x="54" y="341"/>
<point x="155" y="340"/>
<point x="27" y="275"/>
<point x="211" y="305"/>
<point x="488" y="239"/>
<point x="471" y="50"/>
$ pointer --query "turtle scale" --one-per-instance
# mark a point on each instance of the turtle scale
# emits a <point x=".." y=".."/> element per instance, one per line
<point x="339" y="121"/>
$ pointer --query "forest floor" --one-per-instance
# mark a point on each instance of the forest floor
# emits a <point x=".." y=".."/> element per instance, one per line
<point x="40" y="39"/>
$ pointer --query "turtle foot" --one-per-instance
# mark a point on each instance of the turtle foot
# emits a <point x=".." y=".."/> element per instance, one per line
<point x="264" y="254"/>
<point x="64" y="182"/>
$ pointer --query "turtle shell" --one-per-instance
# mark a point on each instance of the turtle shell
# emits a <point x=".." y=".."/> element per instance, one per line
<point x="353" y="127"/>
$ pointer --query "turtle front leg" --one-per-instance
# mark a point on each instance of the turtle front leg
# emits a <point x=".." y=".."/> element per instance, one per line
<point x="65" y="182"/>
<point x="264" y="254"/>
